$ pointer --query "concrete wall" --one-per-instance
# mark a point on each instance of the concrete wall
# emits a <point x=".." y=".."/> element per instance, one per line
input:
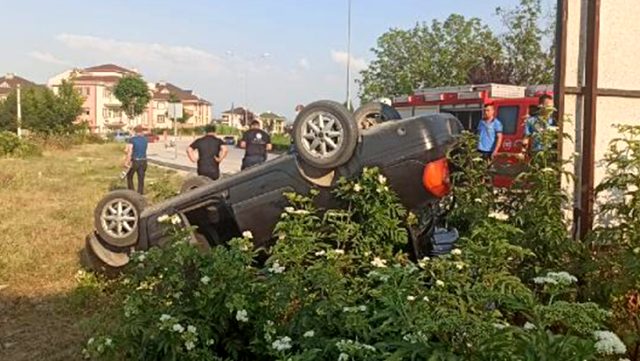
<point x="619" y="57"/>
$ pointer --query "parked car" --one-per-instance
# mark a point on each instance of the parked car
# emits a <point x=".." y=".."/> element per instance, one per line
<point x="121" y="136"/>
<point x="152" y="138"/>
<point x="410" y="152"/>
<point x="229" y="140"/>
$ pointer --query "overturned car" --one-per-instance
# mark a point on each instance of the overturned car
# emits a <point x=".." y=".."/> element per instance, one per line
<point x="330" y="143"/>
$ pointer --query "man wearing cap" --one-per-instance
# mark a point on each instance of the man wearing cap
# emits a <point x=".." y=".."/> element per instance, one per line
<point x="256" y="143"/>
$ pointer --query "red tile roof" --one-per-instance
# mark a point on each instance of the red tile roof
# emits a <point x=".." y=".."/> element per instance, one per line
<point x="11" y="81"/>
<point x="111" y="68"/>
<point x="91" y="78"/>
<point x="164" y="90"/>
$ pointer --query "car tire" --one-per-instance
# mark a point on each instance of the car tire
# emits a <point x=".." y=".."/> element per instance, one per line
<point x="325" y="134"/>
<point x="195" y="182"/>
<point x="96" y="257"/>
<point x="117" y="217"/>
<point x="373" y="113"/>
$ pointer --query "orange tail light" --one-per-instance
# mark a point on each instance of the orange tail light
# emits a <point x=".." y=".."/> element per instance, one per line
<point x="435" y="177"/>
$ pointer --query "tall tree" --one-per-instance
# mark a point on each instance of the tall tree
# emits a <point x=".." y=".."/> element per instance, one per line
<point x="529" y="59"/>
<point x="439" y="54"/>
<point x="132" y="91"/>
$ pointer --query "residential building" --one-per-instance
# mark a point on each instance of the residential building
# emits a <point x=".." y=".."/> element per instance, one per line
<point x="272" y="123"/>
<point x="195" y="109"/>
<point x="9" y="83"/>
<point x="238" y="117"/>
<point x="102" y="111"/>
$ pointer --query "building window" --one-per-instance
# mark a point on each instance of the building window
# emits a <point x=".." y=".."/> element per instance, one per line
<point x="105" y="113"/>
<point x="161" y="118"/>
<point x="86" y="111"/>
<point x="87" y="91"/>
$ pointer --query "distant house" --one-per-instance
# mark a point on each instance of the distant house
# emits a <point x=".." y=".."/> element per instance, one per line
<point x="9" y="83"/>
<point x="238" y="117"/>
<point x="272" y="122"/>
<point x="196" y="109"/>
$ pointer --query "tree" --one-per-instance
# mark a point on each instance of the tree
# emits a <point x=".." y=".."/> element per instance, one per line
<point x="132" y="91"/>
<point x="523" y="43"/>
<point x="43" y="111"/>
<point x="439" y="54"/>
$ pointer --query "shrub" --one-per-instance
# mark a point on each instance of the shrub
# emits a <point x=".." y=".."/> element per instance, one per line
<point x="11" y="145"/>
<point x="338" y="285"/>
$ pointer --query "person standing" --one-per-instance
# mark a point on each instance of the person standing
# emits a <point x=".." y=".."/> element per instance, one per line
<point x="537" y="124"/>
<point x="211" y="152"/>
<point x="256" y="143"/>
<point x="489" y="133"/>
<point x="136" y="159"/>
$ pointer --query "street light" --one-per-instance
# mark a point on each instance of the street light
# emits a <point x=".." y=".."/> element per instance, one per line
<point x="247" y="61"/>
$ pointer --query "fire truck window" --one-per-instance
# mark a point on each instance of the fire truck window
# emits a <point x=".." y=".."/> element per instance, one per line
<point x="508" y="115"/>
<point x="476" y="116"/>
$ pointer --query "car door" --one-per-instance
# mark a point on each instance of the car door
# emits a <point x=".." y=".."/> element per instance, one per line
<point x="510" y="160"/>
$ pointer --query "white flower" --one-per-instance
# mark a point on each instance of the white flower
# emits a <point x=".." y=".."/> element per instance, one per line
<point x="108" y="341"/>
<point x="411" y="298"/>
<point x="276" y="268"/>
<point x="379" y="262"/>
<point x="163" y="218"/>
<point x="608" y="343"/>
<point x="178" y="328"/>
<point x="477" y="200"/>
<point x="205" y="280"/>
<point x="247" y="234"/>
<point x="499" y="326"/>
<point x="309" y="334"/>
<point x="477" y="159"/>
<point x="288" y="209"/>
<point x="555" y="278"/>
<point x="382" y="179"/>
<point x="425" y="299"/>
<point x="338" y="251"/>
<point x="175" y="219"/>
<point x="165" y="317"/>
<point x="460" y="265"/>
<point x="210" y="342"/>
<point x="343" y="357"/>
<point x="547" y="170"/>
<point x="386" y="189"/>
<point x="191" y="329"/>
<point x="362" y="308"/>
<point x="91" y="340"/>
<point x="282" y="343"/>
<point x="456" y="252"/>
<point x="301" y="211"/>
<point x="320" y="253"/>
<point x="189" y="345"/>
<point x="499" y="216"/>
<point x="357" y="187"/>
<point x="423" y="262"/>
<point x="529" y="326"/>
<point x="439" y="283"/>
<point x="141" y="257"/>
<point x="242" y="316"/>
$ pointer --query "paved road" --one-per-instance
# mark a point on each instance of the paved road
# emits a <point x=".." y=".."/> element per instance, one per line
<point x="160" y="153"/>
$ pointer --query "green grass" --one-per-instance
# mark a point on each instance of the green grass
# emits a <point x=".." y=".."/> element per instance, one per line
<point x="47" y="209"/>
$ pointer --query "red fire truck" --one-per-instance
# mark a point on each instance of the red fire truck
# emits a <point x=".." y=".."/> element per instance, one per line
<point x="513" y="105"/>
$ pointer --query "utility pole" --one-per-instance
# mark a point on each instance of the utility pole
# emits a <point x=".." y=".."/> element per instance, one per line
<point x="19" y="125"/>
<point x="349" y="56"/>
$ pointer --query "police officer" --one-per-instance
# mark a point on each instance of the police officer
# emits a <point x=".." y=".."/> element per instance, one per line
<point x="136" y="159"/>
<point x="256" y="143"/>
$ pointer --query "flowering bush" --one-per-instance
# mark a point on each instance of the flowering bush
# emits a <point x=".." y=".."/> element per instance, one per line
<point x="339" y="285"/>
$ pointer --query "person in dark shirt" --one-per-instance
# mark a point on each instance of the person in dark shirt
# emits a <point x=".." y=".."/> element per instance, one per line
<point x="211" y="151"/>
<point x="256" y="143"/>
<point x="136" y="159"/>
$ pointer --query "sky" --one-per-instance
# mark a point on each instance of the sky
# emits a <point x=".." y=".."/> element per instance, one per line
<point x="269" y="55"/>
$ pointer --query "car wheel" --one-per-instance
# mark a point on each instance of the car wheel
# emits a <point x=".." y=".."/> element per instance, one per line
<point x="195" y="182"/>
<point x="374" y="113"/>
<point x="117" y="217"/>
<point x="97" y="257"/>
<point x="325" y="134"/>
